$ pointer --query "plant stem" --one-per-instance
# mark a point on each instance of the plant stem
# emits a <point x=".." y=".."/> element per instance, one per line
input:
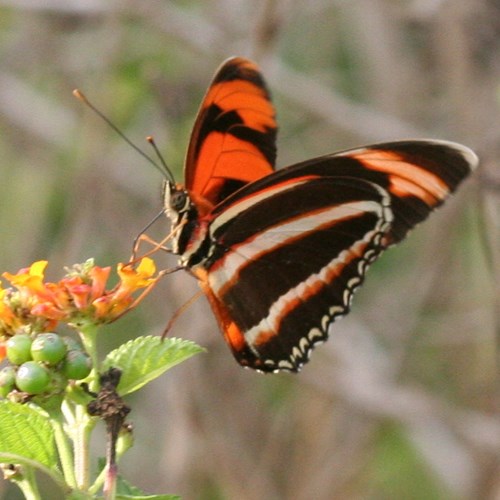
<point x="28" y="485"/>
<point x="68" y="411"/>
<point x="98" y="482"/>
<point x="88" y="334"/>
<point x="64" y="449"/>
<point x="83" y="424"/>
<point x="83" y="428"/>
<point x="110" y="482"/>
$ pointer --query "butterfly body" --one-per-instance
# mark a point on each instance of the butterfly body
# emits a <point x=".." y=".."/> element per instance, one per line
<point x="279" y="253"/>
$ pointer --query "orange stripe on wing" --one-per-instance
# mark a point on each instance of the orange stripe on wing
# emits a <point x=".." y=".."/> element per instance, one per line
<point x="232" y="334"/>
<point x="227" y="157"/>
<point x="250" y="101"/>
<point x="406" y="179"/>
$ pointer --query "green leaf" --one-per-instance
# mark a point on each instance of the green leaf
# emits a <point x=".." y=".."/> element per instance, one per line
<point x="26" y="432"/>
<point x="146" y="358"/>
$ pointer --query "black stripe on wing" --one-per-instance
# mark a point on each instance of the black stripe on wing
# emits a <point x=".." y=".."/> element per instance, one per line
<point x="308" y="274"/>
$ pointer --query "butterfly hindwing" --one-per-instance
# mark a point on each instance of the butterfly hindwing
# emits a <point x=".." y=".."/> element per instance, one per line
<point x="282" y="284"/>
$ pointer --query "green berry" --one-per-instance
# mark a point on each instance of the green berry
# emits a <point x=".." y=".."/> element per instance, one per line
<point x="19" y="349"/>
<point x="7" y="380"/>
<point x="32" y="377"/>
<point x="48" y="348"/>
<point x="77" y="365"/>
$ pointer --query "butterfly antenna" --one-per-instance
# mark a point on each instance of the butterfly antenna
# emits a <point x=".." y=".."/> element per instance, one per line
<point x="151" y="141"/>
<point x="80" y="96"/>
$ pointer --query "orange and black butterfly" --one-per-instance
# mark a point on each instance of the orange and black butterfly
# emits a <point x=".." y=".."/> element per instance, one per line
<point x="279" y="253"/>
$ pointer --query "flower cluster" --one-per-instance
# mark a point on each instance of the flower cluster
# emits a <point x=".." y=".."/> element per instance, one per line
<point x="32" y="305"/>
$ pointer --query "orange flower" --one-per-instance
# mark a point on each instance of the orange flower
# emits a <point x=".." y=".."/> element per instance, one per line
<point x="79" y="297"/>
<point x="7" y="315"/>
<point x="77" y="290"/>
<point x="133" y="279"/>
<point x="120" y="299"/>
<point x="14" y="311"/>
<point x="98" y="277"/>
<point x="33" y="274"/>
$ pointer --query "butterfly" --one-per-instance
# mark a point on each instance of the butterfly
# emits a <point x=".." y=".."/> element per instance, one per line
<point x="279" y="253"/>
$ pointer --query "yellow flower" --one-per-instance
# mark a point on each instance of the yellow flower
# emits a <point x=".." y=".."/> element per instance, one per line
<point x="29" y="279"/>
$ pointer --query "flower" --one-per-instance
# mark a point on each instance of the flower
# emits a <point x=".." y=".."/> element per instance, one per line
<point x="30" y="278"/>
<point x="121" y="298"/>
<point x="16" y="305"/>
<point x="34" y="305"/>
<point x="132" y="279"/>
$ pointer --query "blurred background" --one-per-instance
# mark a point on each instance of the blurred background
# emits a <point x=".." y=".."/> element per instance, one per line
<point x="403" y="401"/>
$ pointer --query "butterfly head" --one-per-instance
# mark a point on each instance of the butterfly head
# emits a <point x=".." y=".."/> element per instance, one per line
<point x="176" y="200"/>
<point x="181" y="211"/>
<point x="177" y="203"/>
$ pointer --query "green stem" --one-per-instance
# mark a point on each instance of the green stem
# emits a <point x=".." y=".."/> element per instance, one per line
<point x="83" y="423"/>
<point x="28" y="485"/>
<point x="68" y="412"/>
<point x="83" y="428"/>
<point x="88" y="334"/>
<point x="64" y="449"/>
<point x="98" y="482"/>
<point x="34" y="465"/>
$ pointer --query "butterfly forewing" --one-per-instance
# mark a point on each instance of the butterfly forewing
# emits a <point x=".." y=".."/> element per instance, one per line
<point x="419" y="176"/>
<point x="234" y="138"/>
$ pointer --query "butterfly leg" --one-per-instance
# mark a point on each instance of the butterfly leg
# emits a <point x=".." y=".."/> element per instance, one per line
<point x="180" y="311"/>
<point x="156" y="245"/>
